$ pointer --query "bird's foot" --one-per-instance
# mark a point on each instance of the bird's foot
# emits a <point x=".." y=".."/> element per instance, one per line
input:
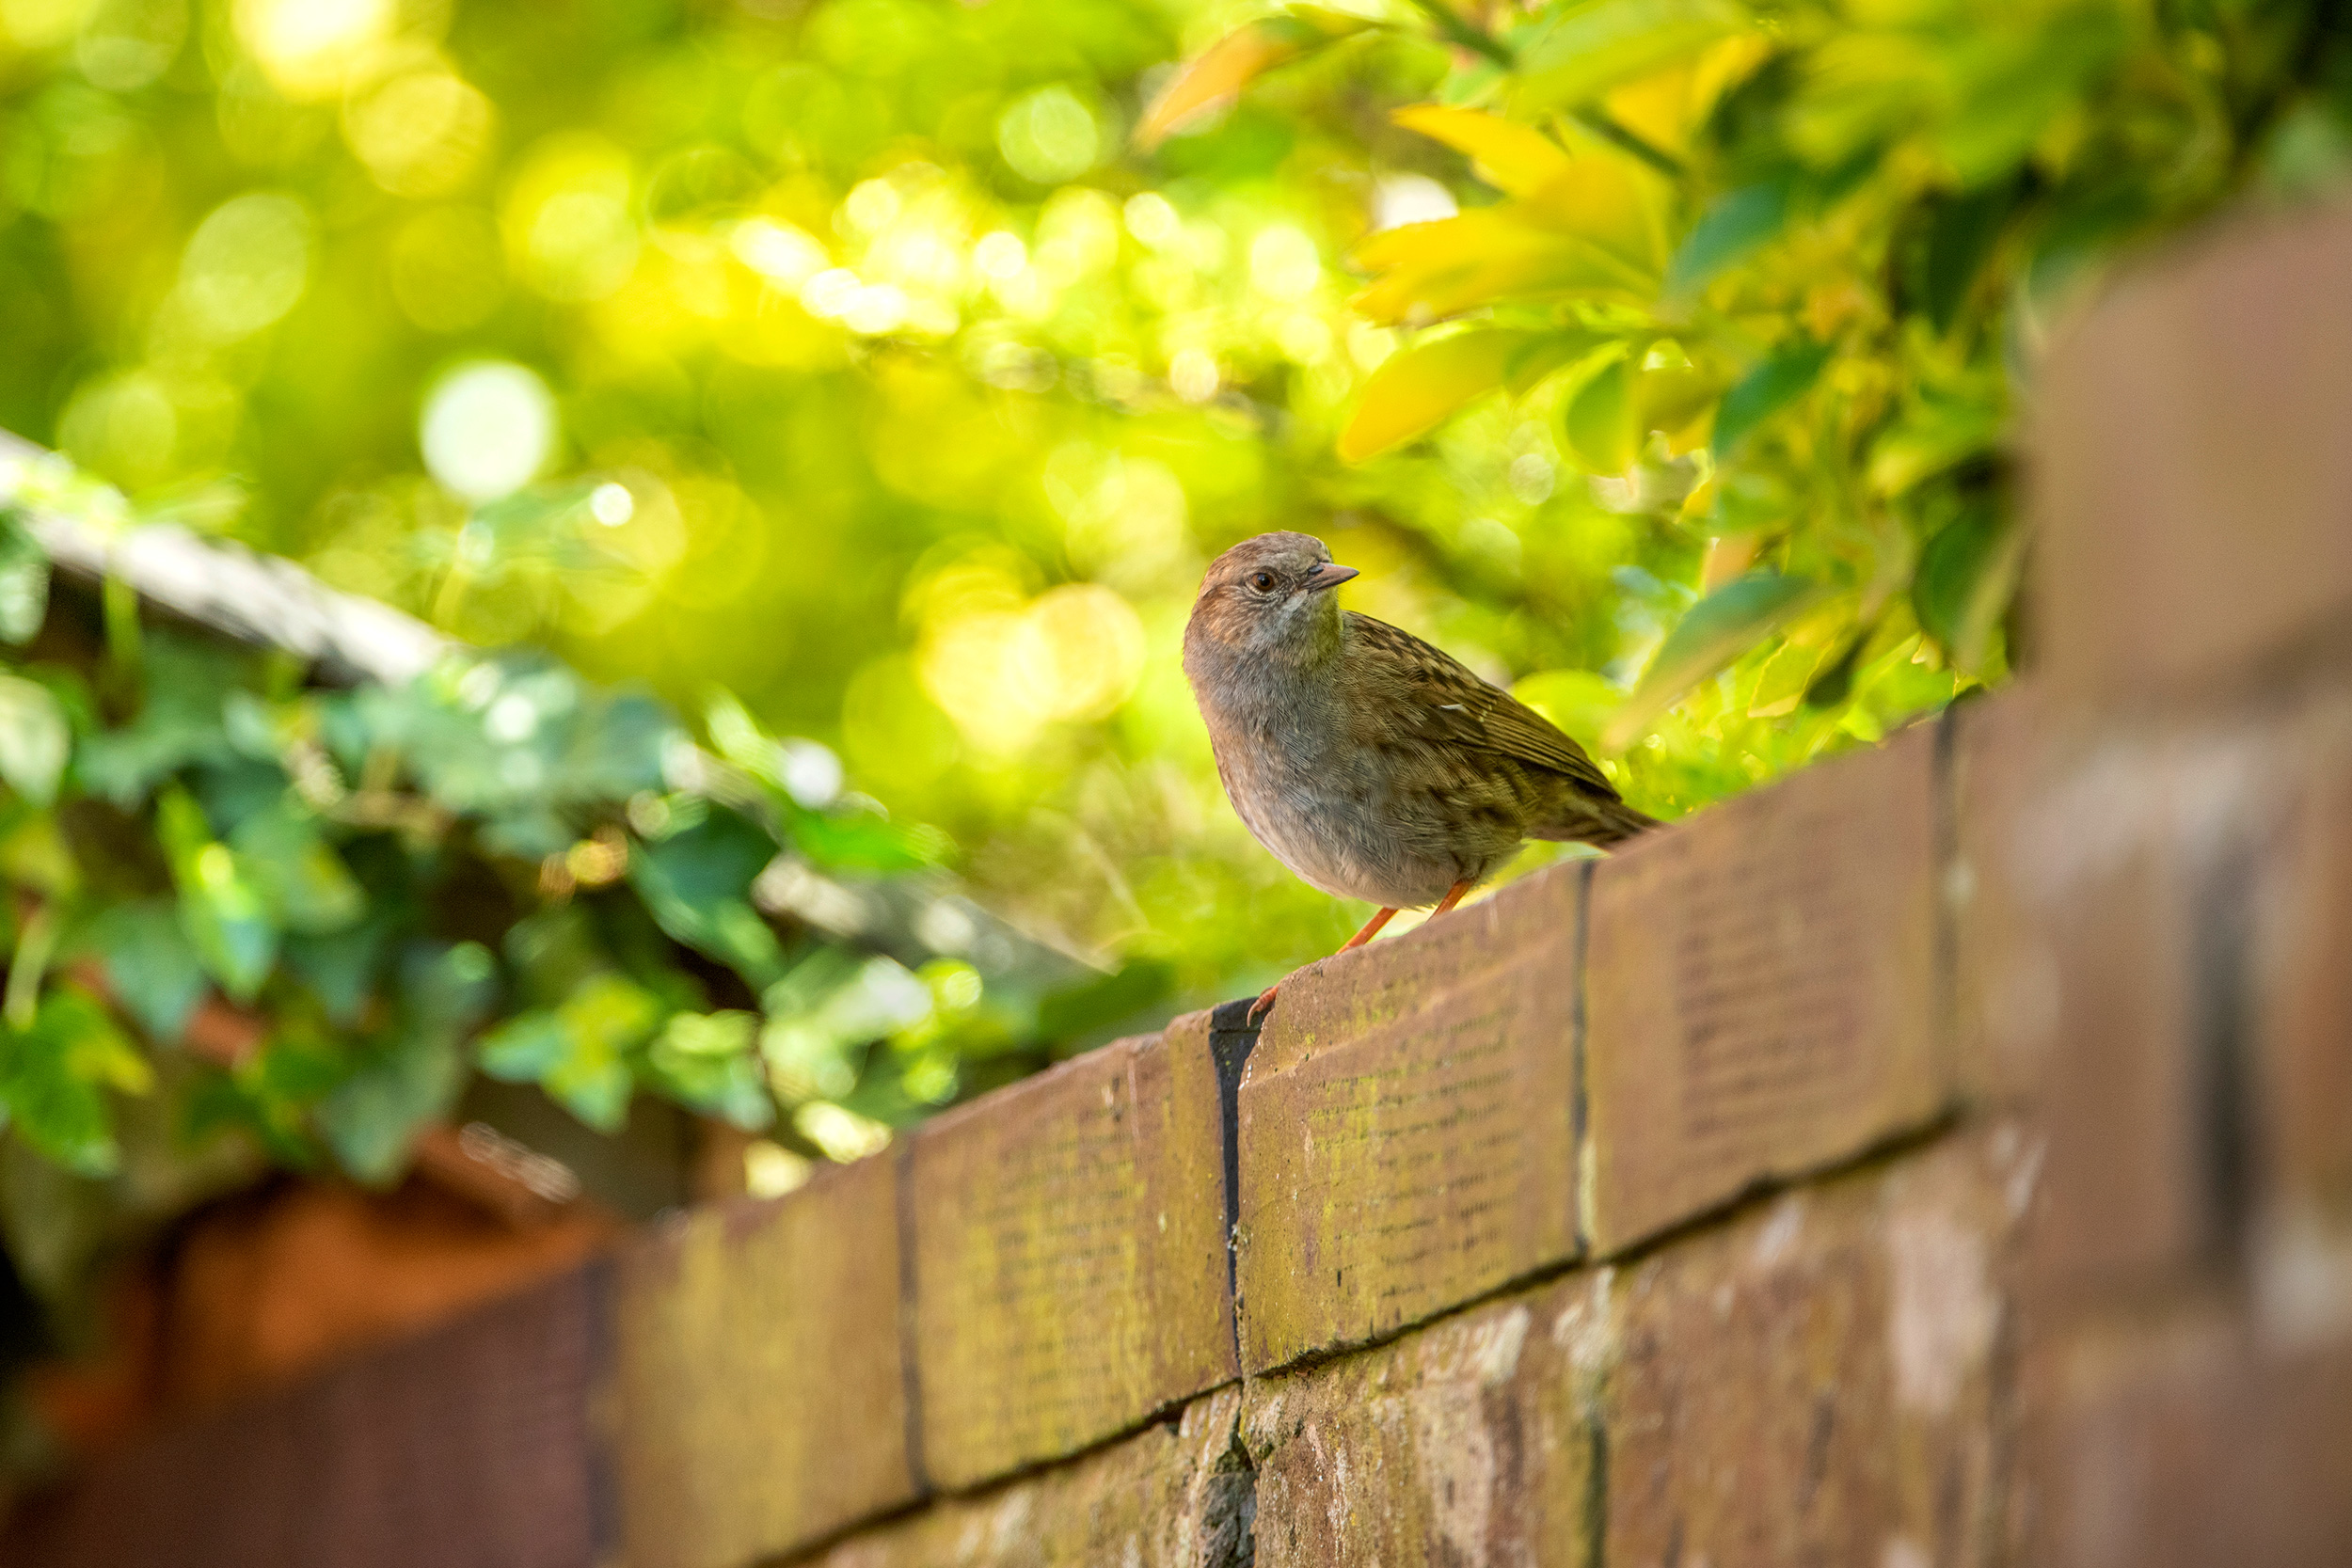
<point x="1265" y="1000"/>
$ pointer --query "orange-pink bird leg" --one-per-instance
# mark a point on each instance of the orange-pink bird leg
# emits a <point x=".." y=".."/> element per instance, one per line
<point x="1371" y="930"/>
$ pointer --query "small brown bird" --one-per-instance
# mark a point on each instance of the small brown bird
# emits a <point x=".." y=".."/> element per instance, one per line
<point x="1370" y="763"/>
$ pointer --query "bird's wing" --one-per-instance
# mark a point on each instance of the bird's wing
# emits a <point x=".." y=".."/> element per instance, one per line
<point x="1434" y="695"/>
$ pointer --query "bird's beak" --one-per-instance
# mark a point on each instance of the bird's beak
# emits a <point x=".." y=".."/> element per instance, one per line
<point x="1327" y="575"/>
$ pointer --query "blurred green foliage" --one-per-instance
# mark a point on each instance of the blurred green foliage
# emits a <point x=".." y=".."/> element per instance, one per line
<point x="895" y="365"/>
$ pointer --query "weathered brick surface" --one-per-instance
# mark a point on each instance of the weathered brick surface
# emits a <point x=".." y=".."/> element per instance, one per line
<point x="760" y="1398"/>
<point x="1407" y="1132"/>
<point x="1819" y="1381"/>
<point x="1469" y="1441"/>
<point x="1761" y="991"/>
<point x="1814" y="1381"/>
<point x="1071" y="1273"/>
<point x="2193" y="464"/>
<point x="1177" y="1494"/>
<point x="2303" y="963"/>
<point x="473" y="1444"/>
<point x="2181" y="1439"/>
<point x="2002" y="982"/>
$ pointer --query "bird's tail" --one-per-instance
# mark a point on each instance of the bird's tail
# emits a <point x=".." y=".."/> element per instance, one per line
<point x="1601" y="823"/>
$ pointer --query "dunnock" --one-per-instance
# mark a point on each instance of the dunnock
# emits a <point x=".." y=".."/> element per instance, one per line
<point x="1370" y="763"/>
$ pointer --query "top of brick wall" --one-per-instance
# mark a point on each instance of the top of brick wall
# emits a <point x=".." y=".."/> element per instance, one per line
<point x="1570" y="1071"/>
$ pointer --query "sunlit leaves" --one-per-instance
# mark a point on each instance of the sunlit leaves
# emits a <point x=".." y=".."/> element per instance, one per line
<point x="1771" y="386"/>
<point x="221" y="908"/>
<point x="54" y="1075"/>
<point x="35" y="739"/>
<point x="1413" y="392"/>
<point x="1588" y="49"/>
<point x="1716" y="630"/>
<point x="1239" y="59"/>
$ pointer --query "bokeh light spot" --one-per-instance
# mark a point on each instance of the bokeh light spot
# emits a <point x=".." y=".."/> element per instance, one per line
<point x="488" y="429"/>
<point x="309" y="48"/>
<point x="1049" y="136"/>
<point x="246" y="265"/>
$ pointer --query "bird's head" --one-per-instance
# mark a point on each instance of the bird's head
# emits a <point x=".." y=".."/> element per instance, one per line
<point x="1270" y="596"/>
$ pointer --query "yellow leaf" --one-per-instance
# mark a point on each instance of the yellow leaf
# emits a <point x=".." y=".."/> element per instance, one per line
<point x="1413" y="392"/>
<point x="1430" y="271"/>
<point x="1603" y="195"/>
<point x="1679" y="402"/>
<point x="1516" y="159"/>
<point x="1237" y="60"/>
<point x="1667" y="106"/>
<point x="1603" y="434"/>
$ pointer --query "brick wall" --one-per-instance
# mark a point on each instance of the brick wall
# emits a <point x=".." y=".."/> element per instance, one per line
<point x="1941" y="1157"/>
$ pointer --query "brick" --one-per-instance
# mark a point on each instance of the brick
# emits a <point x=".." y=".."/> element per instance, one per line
<point x="2175" y="1439"/>
<point x="2193" y="464"/>
<point x="1177" y="1494"/>
<point x="1469" y="1441"/>
<point x="1071" y="1267"/>
<point x="1405" y="1131"/>
<point x="471" y="1444"/>
<point x="1820" y="1380"/>
<point x="2002" y="985"/>
<point x="760" y="1395"/>
<point x="1761" y="991"/>
<point x="2306" y="985"/>
<point x="1817" y="1379"/>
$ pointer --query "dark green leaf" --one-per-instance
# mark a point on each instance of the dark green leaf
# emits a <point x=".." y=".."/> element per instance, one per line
<point x="54" y="1076"/>
<point x="1710" y="635"/>
<point x="1736" y="224"/>
<point x="1766" y="390"/>
<point x="152" y="967"/>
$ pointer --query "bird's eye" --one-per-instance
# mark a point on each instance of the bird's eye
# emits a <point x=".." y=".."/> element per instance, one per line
<point x="1261" y="580"/>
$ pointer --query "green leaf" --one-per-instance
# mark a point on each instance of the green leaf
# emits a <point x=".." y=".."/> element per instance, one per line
<point x="524" y="1047"/>
<point x="1963" y="581"/>
<point x="1960" y="235"/>
<point x="1736" y="223"/>
<point x="54" y="1076"/>
<point x="695" y="884"/>
<point x="309" y="887"/>
<point x="35" y="739"/>
<point x="1767" y="389"/>
<point x="577" y="1052"/>
<point x="1593" y="48"/>
<point x="710" y="1061"/>
<point x="24" y="582"/>
<point x="152" y="967"/>
<point x="1601" y="432"/>
<point x="1711" y="634"/>
<point x="222" y="911"/>
<point x="1417" y="388"/>
<point x="372" y="1121"/>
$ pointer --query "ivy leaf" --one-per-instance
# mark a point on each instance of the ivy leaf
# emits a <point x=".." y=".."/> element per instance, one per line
<point x="577" y="1051"/>
<point x="1710" y="635"/>
<point x="309" y="887"/>
<point x="152" y="967"/>
<point x="54" y="1076"/>
<point x="711" y="1062"/>
<point x="413" y="1076"/>
<point x="24" y="582"/>
<point x="696" y="882"/>
<point x="35" y="739"/>
<point x="222" y="911"/>
<point x="1963" y="579"/>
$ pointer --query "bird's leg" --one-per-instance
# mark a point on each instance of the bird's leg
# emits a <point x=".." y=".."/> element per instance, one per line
<point x="1371" y="930"/>
<point x="1453" y="896"/>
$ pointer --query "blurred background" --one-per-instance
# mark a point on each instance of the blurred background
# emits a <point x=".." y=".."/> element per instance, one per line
<point x="866" y="382"/>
